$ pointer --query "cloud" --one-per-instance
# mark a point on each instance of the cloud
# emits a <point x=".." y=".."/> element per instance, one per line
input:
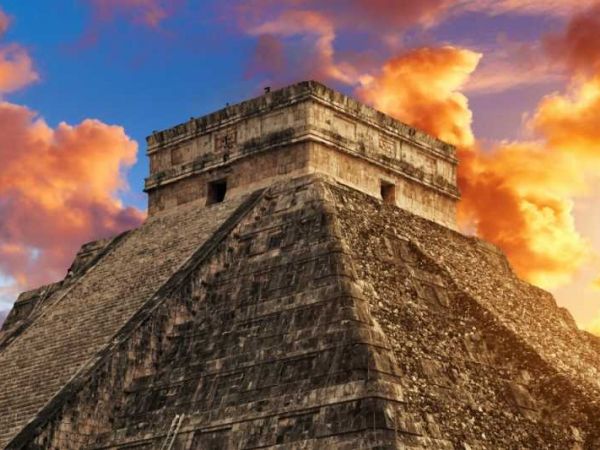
<point x="571" y="122"/>
<point x="594" y="326"/>
<point x="386" y="14"/>
<point x="289" y="31"/>
<point x="518" y="195"/>
<point x="390" y="14"/>
<point x="58" y="186"/>
<point x="4" y="22"/>
<point x="356" y="15"/>
<point x="504" y="63"/>
<point x="578" y="46"/>
<point x="146" y="12"/>
<point x="16" y="67"/>
<point x="315" y="48"/>
<point x="527" y="7"/>
<point x="58" y="190"/>
<point x="521" y="195"/>
<point x="422" y="87"/>
<point x="501" y="77"/>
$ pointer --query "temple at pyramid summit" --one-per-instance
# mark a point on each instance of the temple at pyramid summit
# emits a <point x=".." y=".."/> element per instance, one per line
<point x="299" y="283"/>
<point x="305" y="129"/>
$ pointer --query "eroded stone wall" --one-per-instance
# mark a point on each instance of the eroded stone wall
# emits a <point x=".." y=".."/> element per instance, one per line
<point x="368" y="177"/>
<point x="267" y="343"/>
<point x="262" y="170"/>
<point x="247" y="175"/>
<point x="252" y="141"/>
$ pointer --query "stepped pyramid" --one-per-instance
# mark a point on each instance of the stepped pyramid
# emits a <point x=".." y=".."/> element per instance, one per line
<point x="299" y="283"/>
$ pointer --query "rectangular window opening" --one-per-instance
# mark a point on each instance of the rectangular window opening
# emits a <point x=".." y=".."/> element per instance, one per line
<point x="388" y="192"/>
<point x="216" y="192"/>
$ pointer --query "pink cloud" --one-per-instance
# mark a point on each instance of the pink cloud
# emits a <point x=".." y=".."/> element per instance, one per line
<point x="315" y="48"/>
<point x="529" y="7"/>
<point x="578" y="46"/>
<point x="380" y="15"/>
<point x="4" y="22"/>
<point x="58" y="189"/>
<point x="16" y="66"/>
<point x="147" y="12"/>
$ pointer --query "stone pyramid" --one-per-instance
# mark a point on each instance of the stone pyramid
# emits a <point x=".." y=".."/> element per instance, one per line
<point x="298" y="284"/>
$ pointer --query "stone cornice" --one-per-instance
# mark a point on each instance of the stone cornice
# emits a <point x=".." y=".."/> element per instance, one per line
<point x="291" y="95"/>
<point x="288" y="137"/>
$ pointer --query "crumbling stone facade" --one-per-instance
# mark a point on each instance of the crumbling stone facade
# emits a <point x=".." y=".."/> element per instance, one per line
<point x="305" y="312"/>
<point x="303" y="129"/>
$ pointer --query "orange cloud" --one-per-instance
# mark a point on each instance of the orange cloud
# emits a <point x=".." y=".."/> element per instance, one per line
<point x="571" y="122"/>
<point x="519" y="197"/>
<point x="57" y="190"/>
<point x="58" y="187"/>
<point x="594" y="326"/>
<point x="422" y="87"/>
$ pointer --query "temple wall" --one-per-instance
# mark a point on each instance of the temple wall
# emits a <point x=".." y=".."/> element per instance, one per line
<point x="368" y="177"/>
<point x="247" y="175"/>
<point x="303" y="129"/>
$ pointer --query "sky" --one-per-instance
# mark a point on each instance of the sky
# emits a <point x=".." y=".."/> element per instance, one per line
<point x="513" y="84"/>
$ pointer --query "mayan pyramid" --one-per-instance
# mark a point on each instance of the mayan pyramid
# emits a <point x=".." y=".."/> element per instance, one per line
<point x="299" y="283"/>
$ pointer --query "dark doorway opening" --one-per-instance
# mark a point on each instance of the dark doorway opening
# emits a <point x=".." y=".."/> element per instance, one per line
<point x="216" y="192"/>
<point x="388" y="192"/>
